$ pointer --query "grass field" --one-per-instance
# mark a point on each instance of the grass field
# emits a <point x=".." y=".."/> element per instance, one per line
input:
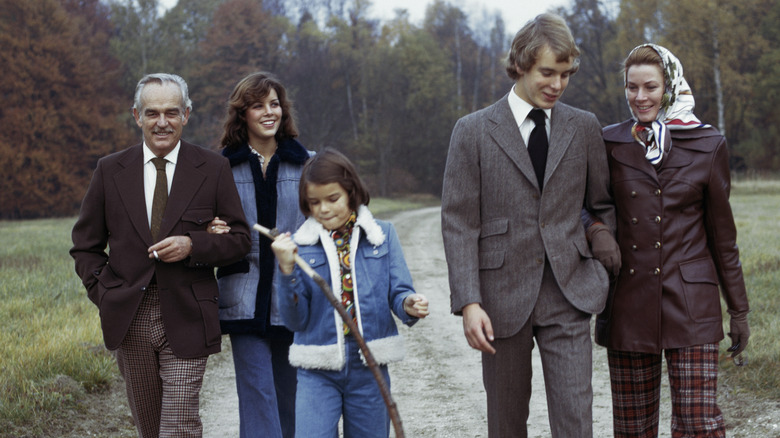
<point x="51" y="349"/>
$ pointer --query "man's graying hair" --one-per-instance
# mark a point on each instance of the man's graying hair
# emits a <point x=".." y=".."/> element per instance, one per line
<point x="163" y="78"/>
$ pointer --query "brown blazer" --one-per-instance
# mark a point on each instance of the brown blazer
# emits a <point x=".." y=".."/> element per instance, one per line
<point x="113" y="215"/>
<point x="498" y="228"/>
<point x="678" y="243"/>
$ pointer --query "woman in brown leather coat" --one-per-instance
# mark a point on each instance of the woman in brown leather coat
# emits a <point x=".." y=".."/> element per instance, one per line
<point x="676" y="233"/>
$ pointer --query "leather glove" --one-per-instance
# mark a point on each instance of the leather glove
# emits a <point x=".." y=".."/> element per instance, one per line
<point x="739" y="334"/>
<point x="604" y="247"/>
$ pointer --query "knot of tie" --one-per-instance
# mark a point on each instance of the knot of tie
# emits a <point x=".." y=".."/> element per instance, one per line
<point x="538" y="116"/>
<point x="159" y="163"/>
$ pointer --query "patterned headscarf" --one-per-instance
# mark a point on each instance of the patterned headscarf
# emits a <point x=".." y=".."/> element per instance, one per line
<point x="676" y="110"/>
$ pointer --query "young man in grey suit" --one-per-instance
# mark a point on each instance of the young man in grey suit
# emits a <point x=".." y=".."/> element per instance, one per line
<point x="149" y="206"/>
<point x="520" y="267"/>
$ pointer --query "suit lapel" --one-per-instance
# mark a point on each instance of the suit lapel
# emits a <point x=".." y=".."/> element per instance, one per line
<point x="187" y="179"/>
<point x="506" y="134"/>
<point x="562" y="131"/>
<point x="130" y="185"/>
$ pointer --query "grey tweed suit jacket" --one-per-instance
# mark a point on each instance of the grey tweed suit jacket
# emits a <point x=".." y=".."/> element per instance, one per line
<point x="498" y="227"/>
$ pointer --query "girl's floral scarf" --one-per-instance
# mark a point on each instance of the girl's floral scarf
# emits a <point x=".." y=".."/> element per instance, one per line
<point x="341" y="238"/>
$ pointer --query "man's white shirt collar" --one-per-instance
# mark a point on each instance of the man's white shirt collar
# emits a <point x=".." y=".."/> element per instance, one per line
<point x="521" y="109"/>
<point x="171" y="157"/>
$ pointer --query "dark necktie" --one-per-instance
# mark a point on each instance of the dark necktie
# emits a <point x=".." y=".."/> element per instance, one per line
<point x="160" y="196"/>
<point x="537" y="144"/>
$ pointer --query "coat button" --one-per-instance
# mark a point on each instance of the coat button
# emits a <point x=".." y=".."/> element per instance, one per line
<point x="633" y="194"/>
<point x="633" y="247"/>
<point x="634" y="220"/>
<point x="657" y="245"/>
<point x="631" y="271"/>
<point x="658" y="219"/>
<point x="376" y="251"/>
<point x="657" y="192"/>
<point x="656" y="271"/>
<point x="311" y="261"/>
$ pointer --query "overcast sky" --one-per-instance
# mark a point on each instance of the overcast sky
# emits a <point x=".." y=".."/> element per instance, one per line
<point x="514" y="12"/>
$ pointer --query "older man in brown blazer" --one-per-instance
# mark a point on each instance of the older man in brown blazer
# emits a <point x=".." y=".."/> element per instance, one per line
<point x="520" y="266"/>
<point x="155" y="288"/>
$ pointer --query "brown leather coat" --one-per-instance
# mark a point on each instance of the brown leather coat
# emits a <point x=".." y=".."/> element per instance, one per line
<point x="677" y="240"/>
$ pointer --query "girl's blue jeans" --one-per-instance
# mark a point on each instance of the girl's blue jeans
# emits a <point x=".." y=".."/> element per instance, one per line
<point x="323" y="397"/>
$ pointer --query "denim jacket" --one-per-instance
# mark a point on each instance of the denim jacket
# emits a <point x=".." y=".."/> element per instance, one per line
<point x="238" y="284"/>
<point x="381" y="282"/>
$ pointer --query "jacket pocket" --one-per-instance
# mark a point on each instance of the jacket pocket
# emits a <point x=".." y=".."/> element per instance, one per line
<point x="107" y="280"/>
<point x="494" y="227"/>
<point x="491" y="260"/>
<point x="196" y="219"/>
<point x="375" y="252"/>
<point x="583" y="249"/>
<point x="315" y="258"/>
<point x="700" y="288"/>
<point x="207" y="296"/>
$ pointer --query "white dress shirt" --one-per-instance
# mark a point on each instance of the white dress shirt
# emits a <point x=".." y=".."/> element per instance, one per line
<point x="521" y="109"/>
<point x="150" y="175"/>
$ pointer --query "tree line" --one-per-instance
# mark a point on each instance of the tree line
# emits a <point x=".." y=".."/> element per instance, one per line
<point x="385" y="93"/>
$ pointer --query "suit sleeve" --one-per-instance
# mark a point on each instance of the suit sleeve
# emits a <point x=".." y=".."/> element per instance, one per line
<point x="598" y="196"/>
<point x="460" y="216"/>
<point x="90" y="235"/>
<point x="223" y="249"/>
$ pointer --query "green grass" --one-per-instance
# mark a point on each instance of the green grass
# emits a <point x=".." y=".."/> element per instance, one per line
<point x="756" y="207"/>
<point x="49" y="329"/>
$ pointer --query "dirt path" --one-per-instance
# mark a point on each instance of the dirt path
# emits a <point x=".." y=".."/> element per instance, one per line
<point x="438" y="387"/>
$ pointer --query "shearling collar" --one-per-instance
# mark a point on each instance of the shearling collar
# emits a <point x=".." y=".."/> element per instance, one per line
<point x="289" y="150"/>
<point x="309" y="233"/>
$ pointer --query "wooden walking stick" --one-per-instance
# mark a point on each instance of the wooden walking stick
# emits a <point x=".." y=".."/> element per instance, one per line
<point x="392" y="409"/>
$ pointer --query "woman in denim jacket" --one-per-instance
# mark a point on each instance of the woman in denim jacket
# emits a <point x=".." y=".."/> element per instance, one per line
<point x="362" y="259"/>
<point x="259" y="140"/>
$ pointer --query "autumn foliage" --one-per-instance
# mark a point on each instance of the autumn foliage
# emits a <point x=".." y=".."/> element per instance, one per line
<point x="387" y="93"/>
<point x="60" y="108"/>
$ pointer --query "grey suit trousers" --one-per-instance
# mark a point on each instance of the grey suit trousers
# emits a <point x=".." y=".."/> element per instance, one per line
<point x="562" y="333"/>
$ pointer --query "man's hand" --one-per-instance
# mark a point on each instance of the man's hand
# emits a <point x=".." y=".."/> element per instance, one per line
<point x="171" y="249"/>
<point x="604" y="247"/>
<point x="477" y="328"/>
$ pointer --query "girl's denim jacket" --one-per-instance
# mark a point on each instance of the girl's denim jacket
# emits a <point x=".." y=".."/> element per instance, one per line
<point x="381" y="282"/>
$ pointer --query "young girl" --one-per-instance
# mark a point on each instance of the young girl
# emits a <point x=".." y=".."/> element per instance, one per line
<point x="361" y="258"/>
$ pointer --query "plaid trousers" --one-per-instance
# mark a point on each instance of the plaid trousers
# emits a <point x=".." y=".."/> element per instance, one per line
<point x="162" y="389"/>
<point x="693" y="379"/>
